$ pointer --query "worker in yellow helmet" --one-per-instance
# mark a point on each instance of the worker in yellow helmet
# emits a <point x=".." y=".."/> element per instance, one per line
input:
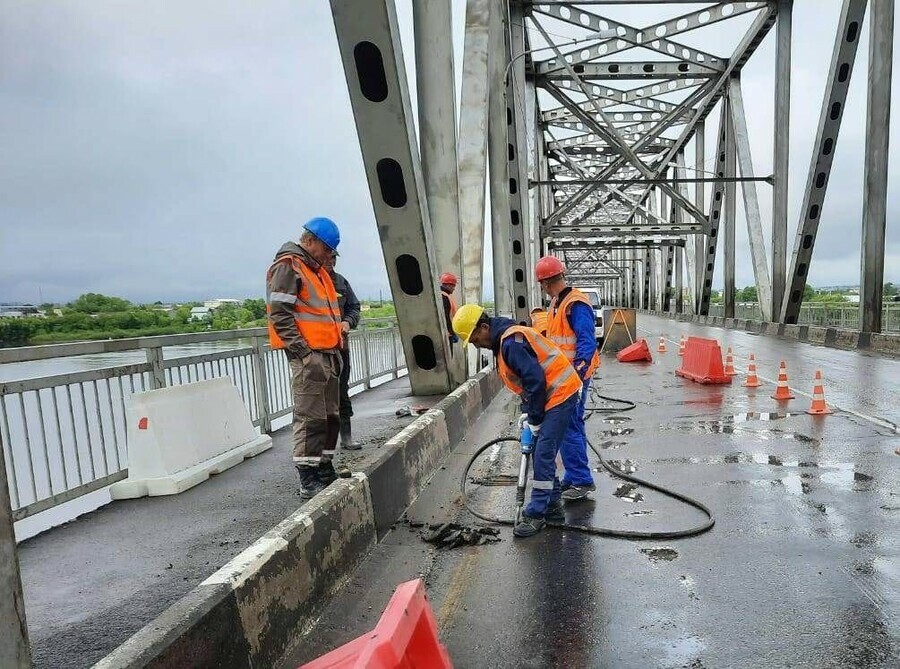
<point x="534" y="368"/>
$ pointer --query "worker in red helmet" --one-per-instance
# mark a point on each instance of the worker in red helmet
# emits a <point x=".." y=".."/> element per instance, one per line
<point x="571" y="327"/>
<point x="448" y="286"/>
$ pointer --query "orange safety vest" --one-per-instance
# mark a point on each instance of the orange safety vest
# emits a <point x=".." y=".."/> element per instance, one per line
<point x="561" y="333"/>
<point x="562" y="381"/>
<point x="316" y="311"/>
<point x="539" y="321"/>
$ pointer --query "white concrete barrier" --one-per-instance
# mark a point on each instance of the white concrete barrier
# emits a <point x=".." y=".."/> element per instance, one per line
<point x="178" y="437"/>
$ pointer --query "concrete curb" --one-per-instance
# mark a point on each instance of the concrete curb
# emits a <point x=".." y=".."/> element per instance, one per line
<point x="252" y="611"/>
<point x="888" y="344"/>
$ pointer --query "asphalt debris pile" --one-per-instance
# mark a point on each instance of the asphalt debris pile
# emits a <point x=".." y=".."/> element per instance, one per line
<point x="454" y="535"/>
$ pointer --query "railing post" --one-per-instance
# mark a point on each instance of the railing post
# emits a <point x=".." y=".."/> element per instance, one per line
<point x="367" y="374"/>
<point x="262" y="385"/>
<point x="157" y="371"/>
<point x="14" y="651"/>
<point x="396" y="366"/>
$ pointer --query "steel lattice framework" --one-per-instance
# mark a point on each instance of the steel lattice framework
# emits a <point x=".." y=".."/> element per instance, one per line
<point x="618" y="145"/>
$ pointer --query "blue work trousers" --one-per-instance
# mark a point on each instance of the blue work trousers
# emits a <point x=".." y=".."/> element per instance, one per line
<point x="545" y="486"/>
<point x="574" y="446"/>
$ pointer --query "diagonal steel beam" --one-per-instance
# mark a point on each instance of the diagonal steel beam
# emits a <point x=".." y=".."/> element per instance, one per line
<point x="846" y="42"/>
<point x="751" y="203"/>
<point x="369" y="41"/>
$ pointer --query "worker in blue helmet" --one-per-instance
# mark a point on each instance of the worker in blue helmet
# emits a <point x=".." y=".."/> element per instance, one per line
<point x="304" y="319"/>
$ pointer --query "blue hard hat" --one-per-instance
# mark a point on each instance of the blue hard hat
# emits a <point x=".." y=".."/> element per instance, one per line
<point x="326" y="230"/>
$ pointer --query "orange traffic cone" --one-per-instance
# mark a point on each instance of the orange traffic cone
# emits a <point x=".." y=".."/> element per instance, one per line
<point x="818" y="406"/>
<point x="752" y="379"/>
<point x="782" y="392"/>
<point x="662" y="345"/>
<point x="729" y="363"/>
<point x="681" y="346"/>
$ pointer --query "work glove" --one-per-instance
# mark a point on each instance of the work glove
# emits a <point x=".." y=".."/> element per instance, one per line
<point x="522" y="420"/>
<point x="582" y="368"/>
<point x="534" y="428"/>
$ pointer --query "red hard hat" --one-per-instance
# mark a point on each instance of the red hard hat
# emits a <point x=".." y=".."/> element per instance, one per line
<point x="448" y="279"/>
<point x="548" y="267"/>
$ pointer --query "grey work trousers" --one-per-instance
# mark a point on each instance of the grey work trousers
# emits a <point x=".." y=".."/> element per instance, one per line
<point x="315" y="385"/>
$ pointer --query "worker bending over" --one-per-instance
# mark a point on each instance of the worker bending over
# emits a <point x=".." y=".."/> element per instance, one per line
<point x="571" y="327"/>
<point x="536" y="370"/>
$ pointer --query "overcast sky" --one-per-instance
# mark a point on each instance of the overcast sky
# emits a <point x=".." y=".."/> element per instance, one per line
<point x="165" y="150"/>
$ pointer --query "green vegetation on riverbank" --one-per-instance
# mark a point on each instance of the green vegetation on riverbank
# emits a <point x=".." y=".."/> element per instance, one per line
<point x="93" y="316"/>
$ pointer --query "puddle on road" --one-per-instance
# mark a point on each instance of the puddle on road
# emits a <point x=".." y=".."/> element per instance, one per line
<point x="612" y="444"/>
<point x="628" y="492"/>
<point x="617" y="432"/>
<point x="624" y="466"/>
<point x="616" y="420"/>
<point x="660" y="553"/>
<point x="641" y="512"/>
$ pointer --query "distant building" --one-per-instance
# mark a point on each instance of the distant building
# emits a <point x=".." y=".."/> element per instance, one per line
<point x="216" y="303"/>
<point x="18" y="310"/>
<point x="201" y="313"/>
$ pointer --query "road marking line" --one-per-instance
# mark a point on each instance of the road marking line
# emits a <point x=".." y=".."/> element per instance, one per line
<point x="880" y="422"/>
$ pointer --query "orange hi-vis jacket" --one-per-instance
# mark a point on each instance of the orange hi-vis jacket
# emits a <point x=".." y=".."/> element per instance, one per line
<point x="561" y="333"/>
<point x="316" y="311"/>
<point x="562" y="380"/>
<point x="539" y="321"/>
<point x="453" y="305"/>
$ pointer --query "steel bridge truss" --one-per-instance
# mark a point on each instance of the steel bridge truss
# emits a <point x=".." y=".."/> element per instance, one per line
<point x="615" y="144"/>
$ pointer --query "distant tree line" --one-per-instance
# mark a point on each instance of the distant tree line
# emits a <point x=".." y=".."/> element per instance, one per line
<point x="96" y="316"/>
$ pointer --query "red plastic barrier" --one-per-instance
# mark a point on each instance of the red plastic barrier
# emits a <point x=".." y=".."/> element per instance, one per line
<point x="405" y="637"/>
<point x="702" y="362"/>
<point x="637" y="352"/>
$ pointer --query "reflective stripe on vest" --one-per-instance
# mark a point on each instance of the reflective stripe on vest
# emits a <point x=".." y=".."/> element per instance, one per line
<point x="562" y="381"/>
<point x="316" y="311"/>
<point x="561" y="333"/>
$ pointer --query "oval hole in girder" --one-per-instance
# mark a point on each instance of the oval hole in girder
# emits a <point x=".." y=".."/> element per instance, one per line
<point x="807" y="241"/>
<point x="423" y="352"/>
<point x="390" y="181"/>
<point x="519" y="276"/>
<point x="814" y="212"/>
<point x="852" y="31"/>
<point x="827" y="146"/>
<point x="844" y="72"/>
<point x="370" y="71"/>
<point x="795" y="296"/>
<point x="821" y="177"/>
<point x="801" y="269"/>
<point x="409" y="273"/>
<point x="835" y="112"/>
<point x="513" y="186"/>
<point x="514" y="216"/>
<point x="520" y="301"/>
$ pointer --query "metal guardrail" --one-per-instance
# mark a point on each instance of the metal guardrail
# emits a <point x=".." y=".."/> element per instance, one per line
<point x="845" y="316"/>
<point x="64" y="434"/>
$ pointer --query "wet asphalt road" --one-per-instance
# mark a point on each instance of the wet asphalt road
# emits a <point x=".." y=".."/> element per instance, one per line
<point x="92" y="583"/>
<point x="801" y="570"/>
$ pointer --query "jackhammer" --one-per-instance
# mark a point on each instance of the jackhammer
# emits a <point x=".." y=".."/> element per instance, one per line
<point x="526" y="445"/>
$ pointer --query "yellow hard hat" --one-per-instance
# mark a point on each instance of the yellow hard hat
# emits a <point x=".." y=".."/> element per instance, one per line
<point x="465" y="320"/>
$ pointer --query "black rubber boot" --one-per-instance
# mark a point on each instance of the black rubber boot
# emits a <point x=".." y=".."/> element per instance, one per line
<point x="347" y="443"/>
<point x="310" y="483"/>
<point x="326" y="474"/>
